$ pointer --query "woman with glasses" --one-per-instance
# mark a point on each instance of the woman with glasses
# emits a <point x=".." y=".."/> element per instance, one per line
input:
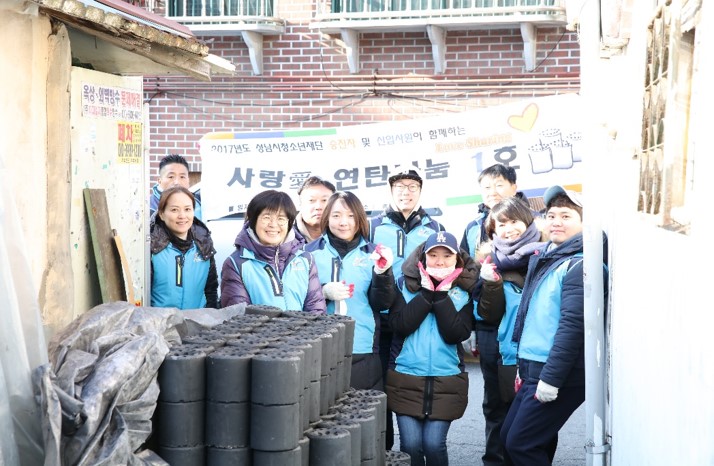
<point x="268" y="266"/>
<point x="353" y="284"/>
<point x="183" y="266"/>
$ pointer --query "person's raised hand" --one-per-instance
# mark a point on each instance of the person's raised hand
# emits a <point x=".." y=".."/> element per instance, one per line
<point x="336" y="291"/>
<point x="489" y="271"/>
<point x="383" y="258"/>
<point x="426" y="281"/>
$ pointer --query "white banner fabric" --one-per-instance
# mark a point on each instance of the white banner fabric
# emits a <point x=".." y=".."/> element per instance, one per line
<point x="540" y="138"/>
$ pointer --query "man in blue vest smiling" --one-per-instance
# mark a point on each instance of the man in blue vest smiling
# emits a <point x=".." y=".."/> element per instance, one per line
<point x="173" y="171"/>
<point x="550" y="334"/>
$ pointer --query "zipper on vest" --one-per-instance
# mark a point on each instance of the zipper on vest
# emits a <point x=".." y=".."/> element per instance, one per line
<point x="428" y="395"/>
<point x="275" y="281"/>
<point x="179" y="270"/>
<point x="336" y="266"/>
<point x="400" y="243"/>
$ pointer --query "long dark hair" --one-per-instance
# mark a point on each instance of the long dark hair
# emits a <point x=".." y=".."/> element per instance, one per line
<point x="354" y="204"/>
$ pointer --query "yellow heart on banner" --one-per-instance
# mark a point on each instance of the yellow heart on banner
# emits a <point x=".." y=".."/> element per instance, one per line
<point x="525" y="121"/>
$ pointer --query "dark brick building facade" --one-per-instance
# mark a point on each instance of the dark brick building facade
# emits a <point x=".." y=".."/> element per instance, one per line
<point x="306" y="81"/>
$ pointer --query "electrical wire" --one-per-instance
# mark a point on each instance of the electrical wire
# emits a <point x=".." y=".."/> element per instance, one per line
<point x="551" y="50"/>
<point x="394" y="88"/>
<point x="324" y="72"/>
<point x="236" y="103"/>
<point x="218" y="116"/>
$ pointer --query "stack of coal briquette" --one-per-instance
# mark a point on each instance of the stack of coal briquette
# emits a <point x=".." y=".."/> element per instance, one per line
<point x="268" y="388"/>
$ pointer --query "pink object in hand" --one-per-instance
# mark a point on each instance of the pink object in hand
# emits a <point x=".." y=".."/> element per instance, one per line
<point x="382" y="261"/>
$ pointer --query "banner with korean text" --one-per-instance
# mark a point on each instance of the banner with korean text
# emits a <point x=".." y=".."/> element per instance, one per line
<point x="540" y="138"/>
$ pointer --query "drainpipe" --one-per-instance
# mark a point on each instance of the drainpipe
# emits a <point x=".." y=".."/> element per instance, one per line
<point x="596" y="446"/>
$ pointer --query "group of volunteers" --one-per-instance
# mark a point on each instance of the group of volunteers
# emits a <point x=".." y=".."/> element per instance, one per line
<point x="514" y="281"/>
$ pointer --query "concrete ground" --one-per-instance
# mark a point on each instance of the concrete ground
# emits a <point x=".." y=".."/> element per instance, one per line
<point x="466" y="435"/>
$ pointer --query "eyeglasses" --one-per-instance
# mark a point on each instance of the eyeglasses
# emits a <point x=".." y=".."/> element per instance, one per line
<point x="411" y="187"/>
<point x="268" y="219"/>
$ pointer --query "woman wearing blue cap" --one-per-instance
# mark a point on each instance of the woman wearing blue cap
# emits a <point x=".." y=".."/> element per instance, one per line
<point x="427" y="384"/>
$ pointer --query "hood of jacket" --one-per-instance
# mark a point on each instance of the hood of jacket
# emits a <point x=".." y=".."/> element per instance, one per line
<point x="248" y="239"/>
<point x="407" y="224"/>
<point x="567" y="248"/>
<point x="301" y="232"/>
<point x="412" y="278"/>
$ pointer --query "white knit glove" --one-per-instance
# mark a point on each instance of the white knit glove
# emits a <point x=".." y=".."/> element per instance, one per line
<point x="545" y="393"/>
<point x="470" y="344"/>
<point x="425" y="277"/>
<point x="336" y="291"/>
<point x="383" y="258"/>
<point x="488" y="270"/>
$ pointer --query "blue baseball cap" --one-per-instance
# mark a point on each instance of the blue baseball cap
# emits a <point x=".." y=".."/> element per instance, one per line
<point x="441" y="238"/>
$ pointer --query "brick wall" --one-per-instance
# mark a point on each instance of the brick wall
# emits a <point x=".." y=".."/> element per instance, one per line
<point x="306" y="82"/>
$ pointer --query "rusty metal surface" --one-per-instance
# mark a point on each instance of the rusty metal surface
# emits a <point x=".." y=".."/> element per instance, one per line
<point x="125" y="21"/>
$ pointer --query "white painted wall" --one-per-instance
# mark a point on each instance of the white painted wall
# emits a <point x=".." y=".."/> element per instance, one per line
<point x="660" y="378"/>
<point x="23" y="132"/>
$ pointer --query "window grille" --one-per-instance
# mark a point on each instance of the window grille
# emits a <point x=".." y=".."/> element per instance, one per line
<point x="665" y="169"/>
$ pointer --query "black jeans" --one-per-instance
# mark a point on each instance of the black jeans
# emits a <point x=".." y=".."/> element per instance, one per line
<point x="530" y="431"/>
<point x="494" y="409"/>
<point x="385" y="344"/>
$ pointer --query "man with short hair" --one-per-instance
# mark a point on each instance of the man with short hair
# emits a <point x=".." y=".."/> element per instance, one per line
<point x="313" y="195"/>
<point x="549" y="330"/>
<point x="497" y="182"/>
<point x="404" y="224"/>
<point x="173" y="171"/>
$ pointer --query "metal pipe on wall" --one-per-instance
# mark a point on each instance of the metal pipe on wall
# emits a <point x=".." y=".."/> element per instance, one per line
<point x="596" y="446"/>
<point x="264" y="84"/>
